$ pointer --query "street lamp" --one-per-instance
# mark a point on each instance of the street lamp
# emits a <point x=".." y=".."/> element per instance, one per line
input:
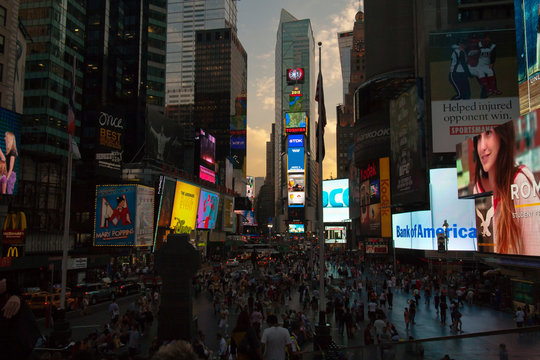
<point x="445" y="227"/>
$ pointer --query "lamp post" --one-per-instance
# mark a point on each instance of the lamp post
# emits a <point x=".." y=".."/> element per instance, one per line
<point x="445" y="227"/>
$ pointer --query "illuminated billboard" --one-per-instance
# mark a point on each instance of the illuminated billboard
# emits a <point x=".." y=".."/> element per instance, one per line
<point x="509" y="221"/>
<point x="207" y="150"/>
<point x="296" y="182"/>
<point x="295" y="122"/>
<point x="528" y="56"/>
<point x="124" y="215"/>
<point x="295" y="76"/>
<point x="374" y="195"/>
<point x="295" y="140"/>
<point x="335" y="200"/>
<point x="228" y="214"/>
<point x="208" y="210"/>
<point x="473" y="84"/>
<point x="248" y="217"/>
<point x="295" y="159"/>
<point x="296" y="228"/>
<point x="111" y="125"/>
<point x="10" y="145"/>
<point x="184" y="214"/>
<point x="207" y="175"/>
<point x="335" y="234"/>
<point x="297" y="198"/>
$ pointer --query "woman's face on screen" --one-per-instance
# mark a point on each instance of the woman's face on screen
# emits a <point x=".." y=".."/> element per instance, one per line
<point x="488" y="149"/>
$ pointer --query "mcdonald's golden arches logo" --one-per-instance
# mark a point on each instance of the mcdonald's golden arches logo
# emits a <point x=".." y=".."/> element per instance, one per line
<point x="13" y="251"/>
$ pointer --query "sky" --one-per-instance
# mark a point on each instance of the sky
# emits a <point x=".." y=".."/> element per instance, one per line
<point x="257" y="29"/>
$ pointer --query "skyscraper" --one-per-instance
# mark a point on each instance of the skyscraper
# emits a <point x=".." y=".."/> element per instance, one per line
<point x="295" y="119"/>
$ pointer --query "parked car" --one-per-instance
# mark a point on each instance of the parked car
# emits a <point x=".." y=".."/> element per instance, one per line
<point x="96" y="292"/>
<point x="124" y="288"/>
<point x="41" y="300"/>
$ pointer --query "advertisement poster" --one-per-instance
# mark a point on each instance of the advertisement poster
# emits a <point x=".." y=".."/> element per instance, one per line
<point x="295" y="122"/>
<point x="144" y="219"/>
<point x="110" y="124"/>
<point x="184" y="214"/>
<point x="406" y="139"/>
<point x="238" y="134"/>
<point x="527" y="14"/>
<point x="375" y="198"/>
<point x="335" y="200"/>
<point x="167" y="200"/>
<point x="163" y="141"/>
<point x="335" y="234"/>
<point x="248" y="217"/>
<point x="295" y="159"/>
<point x="208" y="210"/>
<point x="296" y="228"/>
<point x="473" y="84"/>
<point x="10" y="146"/>
<point x="514" y="150"/>
<point x="296" y="182"/>
<point x="115" y="215"/>
<point x="228" y="214"/>
<point x="297" y="199"/>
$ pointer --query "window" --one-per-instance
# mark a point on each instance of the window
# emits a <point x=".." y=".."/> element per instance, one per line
<point x="2" y="42"/>
<point x="2" y="16"/>
<point x="1" y="72"/>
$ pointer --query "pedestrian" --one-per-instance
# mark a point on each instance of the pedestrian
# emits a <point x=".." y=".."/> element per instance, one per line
<point x="407" y="318"/>
<point x="223" y="324"/>
<point x="275" y="340"/>
<point x="133" y="343"/>
<point x="443" y="306"/>
<point x="244" y="341"/>
<point x="223" y="352"/>
<point x="390" y="298"/>
<point x="412" y="310"/>
<point x="519" y="317"/>
<point x="114" y="311"/>
<point x="503" y="353"/>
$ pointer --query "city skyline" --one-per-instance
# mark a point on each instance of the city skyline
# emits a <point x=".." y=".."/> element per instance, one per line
<point x="258" y="34"/>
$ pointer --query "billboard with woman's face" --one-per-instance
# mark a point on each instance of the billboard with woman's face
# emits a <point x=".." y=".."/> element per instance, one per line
<point x="503" y="164"/>
<point x="9" y="151"/>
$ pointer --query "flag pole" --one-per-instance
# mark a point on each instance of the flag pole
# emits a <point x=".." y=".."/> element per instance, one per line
<point x="322" y="302"/>
<point x="67" y="211"/>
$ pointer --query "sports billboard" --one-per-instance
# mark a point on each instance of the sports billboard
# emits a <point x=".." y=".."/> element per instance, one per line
<point x="184" y="214"/>
<point x="528" y="53"/>
<point x="506" y="161"/>
<point x="335" y="200"/>
<point x="296" y="228"/>
<point x="208" y="210"/>
<point x="295" y="159"/>
<point x="10" y="145"/>
<point x="295" y="122"/>
<point x="473" y="84"/>
<point x="115" y="215"/>
<point x="335" y="234"/>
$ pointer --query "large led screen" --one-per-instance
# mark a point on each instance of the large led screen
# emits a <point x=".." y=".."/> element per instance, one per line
<point x="144" y="216"/>
<point x="335" y="200"/>
<point x="473" y="84"/>
<point x="295" y="140"/>
<point x="248" y="217"/>
<point x="296" y="182"/>
<point x="295" y="122"/>
<point x="228" y="214"/>
<point x="10" y="145"/>
<point x="208" y="210"/>
<point x="184" y="214"/>
<point x="459" y="213"/>
<point x="297" y="199"/>
<point x="208" y="149"/>
<point x="335" y="234"/>
<point x="414" y="230"/>
<point x="296" y="228"/>
<point x="115" y="215"/>
<point x="504" y="165"/>
<point x="296" y="157"/>
<point x="374" y="196"/>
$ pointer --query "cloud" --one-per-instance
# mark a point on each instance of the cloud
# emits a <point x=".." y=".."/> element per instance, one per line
<point x="264" y="91"/>
<point x="256" y="152"/>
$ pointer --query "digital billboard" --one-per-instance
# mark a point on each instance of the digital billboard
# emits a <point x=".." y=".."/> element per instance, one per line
<point x="335" y="200"/>
<point x="297" y="198"/>
<point x="207" y="175"/>
<point x="295" y="140"/>
<point x="162" y="142"/>
<point x="238" y="142"/>
<point x="10" y="145"/>
<point x="296" y="182"/>
<point x="295" y="76"/>
<point x="144" y="216"/>
<point x="296" y="100"/>
<point x="110" y="123"/>
<point x="295" y="122"/>
<point x="208" y="210"/>
<point x="115" y="215"/>
<point x="296" y="228"/>
<point x="248" y="217"/>
<point x="295" y="159"/>
<point x="184" y="214"/>
<point x="228" y="214"/>
<point x="374" y="194"/>
<point x="208" y="149"/>
<point x="504" y="164"/>
<point x="335" y="234"/>
<point x="528" y="53"/>
<point x="473" y="84"/>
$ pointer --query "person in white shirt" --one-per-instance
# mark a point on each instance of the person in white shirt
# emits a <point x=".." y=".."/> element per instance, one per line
<point x="520" y="317"/>
<point x="275" y="340"/>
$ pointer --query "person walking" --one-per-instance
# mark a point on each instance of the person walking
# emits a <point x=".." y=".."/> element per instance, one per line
<point x="407" y="318"/>
<point x="520" y="317"/>
<point x="390" y="298"/>
<point x="443" y="306"/>
<point x="436" y="301"/>
<point x="503" y="353"/>
<point x="244" y="341"/>
<point x="275" y="340"/>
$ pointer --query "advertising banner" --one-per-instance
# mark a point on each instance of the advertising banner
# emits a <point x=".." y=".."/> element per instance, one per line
<point x="207" y="150"/>
<point x="144" y="216"/>
<point x="386" y="211"/>
<point x="528" y="53"/>
<point x="248" y="217"/>
<point x="10" y="146"/>
<point x="296" y="182"/>
<point x="14" y="228"/>
<point x="295" y="122"/>
<point x="335" y="234"/>
<point x="512" y="223"/>
<point x="479" y="70"/>
<point x="335" y="200"/>
<point x="110" y="124"/>
<point x="163" y="141"/>
<point x="115" y="215"/>
<point x="295" y="140"/>
<point x="376" y="249"/>
<point x="207" y="175"/>
<point x="408" y="182"/>
<point x="208" y="210"/>
<point x="184" y="214"/>
<point x="296" y="228"/>
<point x="297" y="199"/>
<point x="295" y="159"/>
<point x="167" y="201"/>
<point x="228" y="214"/>
<point x="238" y="134"/>
<point x="375" y="201"/>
